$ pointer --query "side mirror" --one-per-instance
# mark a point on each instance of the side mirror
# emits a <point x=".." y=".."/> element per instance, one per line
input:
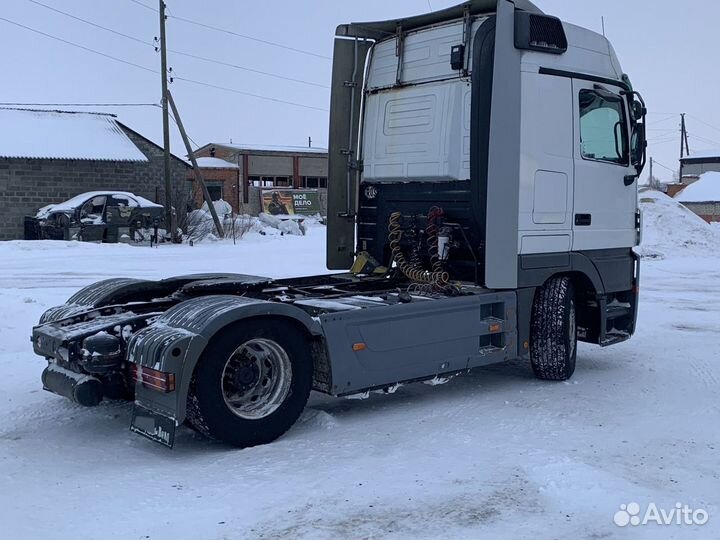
<point x="638" y="140"/>
<point x="638" y="148"/>
<point x="637" y="110"/>
<point x="638" y="145"/>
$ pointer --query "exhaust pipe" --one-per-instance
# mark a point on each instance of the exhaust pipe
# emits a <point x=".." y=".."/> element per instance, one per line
<point x="83" y="389"/>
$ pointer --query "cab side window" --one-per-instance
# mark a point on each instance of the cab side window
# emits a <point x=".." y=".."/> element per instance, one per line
<point x="603" y="127"/>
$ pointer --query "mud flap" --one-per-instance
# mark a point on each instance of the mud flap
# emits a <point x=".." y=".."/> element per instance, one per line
<point x="153" y="425"/>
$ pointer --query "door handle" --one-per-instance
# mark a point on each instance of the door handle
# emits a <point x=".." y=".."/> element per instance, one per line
<point x="583" y="220"/>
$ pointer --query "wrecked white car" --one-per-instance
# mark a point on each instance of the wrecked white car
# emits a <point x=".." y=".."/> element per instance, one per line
<point x="96" y="216"/>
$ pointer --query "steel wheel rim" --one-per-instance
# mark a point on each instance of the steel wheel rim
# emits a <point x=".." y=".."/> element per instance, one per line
<point x="256" y="379"/>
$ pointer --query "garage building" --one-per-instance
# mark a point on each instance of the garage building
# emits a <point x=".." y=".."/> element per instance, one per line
<point x="47" y="157"/>
<point x="239" y="173"/>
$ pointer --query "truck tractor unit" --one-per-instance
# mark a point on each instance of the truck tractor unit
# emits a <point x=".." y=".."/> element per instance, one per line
<point x="482" y="207"/>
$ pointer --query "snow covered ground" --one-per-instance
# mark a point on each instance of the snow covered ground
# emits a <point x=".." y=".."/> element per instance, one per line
<point x="493" y="454"/>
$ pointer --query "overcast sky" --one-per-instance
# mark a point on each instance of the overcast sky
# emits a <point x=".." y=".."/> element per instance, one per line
<point x="669" y="50"/>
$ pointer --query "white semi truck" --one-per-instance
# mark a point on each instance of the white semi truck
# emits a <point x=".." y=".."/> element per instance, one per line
<point x="482" y="207"/>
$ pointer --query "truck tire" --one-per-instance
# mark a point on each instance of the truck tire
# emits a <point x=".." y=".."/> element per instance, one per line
<point x="553" y="330"/>
<point x="251" y="383"/>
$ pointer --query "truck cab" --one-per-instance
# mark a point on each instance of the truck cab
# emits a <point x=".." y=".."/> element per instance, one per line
<point x="522" y="128"/>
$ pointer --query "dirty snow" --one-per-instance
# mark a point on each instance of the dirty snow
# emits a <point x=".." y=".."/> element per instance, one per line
<point x="201" y="227"/>
<point x="671" y="229"/>
<point x="494" y="454"/>
<point x="705" y="189"/>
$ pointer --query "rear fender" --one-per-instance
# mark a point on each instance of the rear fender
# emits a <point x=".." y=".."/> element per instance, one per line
<point x="124" y="290"/>
<point x="98" y="294"/>
<point x="175" y="342"/>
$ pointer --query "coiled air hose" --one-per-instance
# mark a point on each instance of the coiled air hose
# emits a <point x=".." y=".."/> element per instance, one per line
<point x="438" y="279"/>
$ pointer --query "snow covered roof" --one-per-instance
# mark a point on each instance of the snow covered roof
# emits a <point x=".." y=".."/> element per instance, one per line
<point x="64" y="135"/>
<point x="706" y="189"/>
<point x="271" y="148"/>
<point x="215" y="163"/>
<point x="702" y="154"/>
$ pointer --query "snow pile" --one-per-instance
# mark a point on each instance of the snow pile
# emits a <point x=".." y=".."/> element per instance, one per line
<point x="706" y="189"/>
<point x="200" y="225"/>
<point x="671" y="229"/>
<point x="285" y="226"/>
<point x="222" y="208"/>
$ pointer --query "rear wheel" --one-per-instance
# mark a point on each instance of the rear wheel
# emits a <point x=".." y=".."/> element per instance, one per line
<point x="553" y="332"/>
<point x="252" y="383"/>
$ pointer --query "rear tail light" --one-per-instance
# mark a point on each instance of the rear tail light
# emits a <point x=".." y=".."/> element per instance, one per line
<point x="152" y="378"/>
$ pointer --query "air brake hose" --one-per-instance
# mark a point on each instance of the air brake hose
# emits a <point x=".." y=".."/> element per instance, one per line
<point x="437" y="279"/>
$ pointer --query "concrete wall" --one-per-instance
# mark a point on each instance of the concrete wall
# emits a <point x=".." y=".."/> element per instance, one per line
<point x="29" y="184"/>
<point x="696" y="169"/>
<point x="709" y="211"/>
<point x="270" y="165"/>
<point x="312" y="166"/>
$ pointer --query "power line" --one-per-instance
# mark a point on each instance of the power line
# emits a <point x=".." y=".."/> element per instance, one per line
<point x="249" y="94"/>
<point x="658" y="143"/>
<point x="133" y="38"/>
<point x="144" y="5"/>
<point x="649" y="113"/>
<point x="251" y="70"/>
<point x="245" y="36"/>
<point x="236" y="34"/>
<point x="656" y="162"/>
<point x="88" y="49"/>
<point x="188" y="136"/>
<point x="704" y="139"/>
<point x="5" y="104"/>
<point x="703" y="122"/>
<point x="181" y="53"/>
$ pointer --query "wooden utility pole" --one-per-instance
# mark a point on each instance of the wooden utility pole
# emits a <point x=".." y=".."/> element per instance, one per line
<point x="198" y="175"/>
<point x="684" y="147"/>
<point x="652" y="180"/>
<point x="169" y="225"/>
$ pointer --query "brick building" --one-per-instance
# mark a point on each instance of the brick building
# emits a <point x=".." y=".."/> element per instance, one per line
<point x="238" y="173"/>
<point x="692" y="167"/>
<point x="697" y="163"/>
<point x="47" y="157"/>
<point x="702" y="196"/>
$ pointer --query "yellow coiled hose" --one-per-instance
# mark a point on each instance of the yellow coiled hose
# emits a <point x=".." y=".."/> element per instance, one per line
<point x="438" y="279"/>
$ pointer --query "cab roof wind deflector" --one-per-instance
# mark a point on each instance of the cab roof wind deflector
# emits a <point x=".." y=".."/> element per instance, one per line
<point x="387" y="29"/>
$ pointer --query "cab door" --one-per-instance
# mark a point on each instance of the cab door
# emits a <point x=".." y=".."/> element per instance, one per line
<point x="604" y="205"/>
